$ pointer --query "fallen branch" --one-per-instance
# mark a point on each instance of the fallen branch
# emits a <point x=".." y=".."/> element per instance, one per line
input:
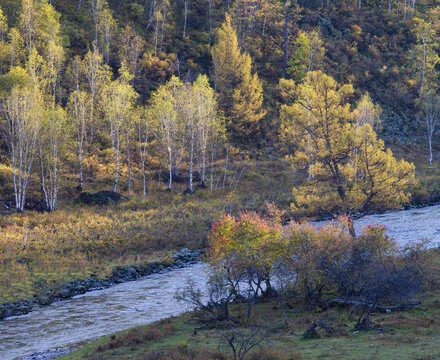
<point x="368" y="305"/>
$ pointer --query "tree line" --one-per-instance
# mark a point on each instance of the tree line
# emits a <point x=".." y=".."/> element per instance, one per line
<point x="49" y="103"/>
<point x="38" y="118"/>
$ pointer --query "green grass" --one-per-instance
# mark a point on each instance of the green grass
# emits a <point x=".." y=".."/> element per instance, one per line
<point x="405" y="335"/>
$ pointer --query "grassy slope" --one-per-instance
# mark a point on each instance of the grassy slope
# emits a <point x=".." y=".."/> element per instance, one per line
<point x="408" y="335"/>
<point x="41" y="251"/>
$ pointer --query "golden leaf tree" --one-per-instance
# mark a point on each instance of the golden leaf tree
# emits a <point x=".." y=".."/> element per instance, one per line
<point x="349" y="169"/>
<point x="240" y="91"/>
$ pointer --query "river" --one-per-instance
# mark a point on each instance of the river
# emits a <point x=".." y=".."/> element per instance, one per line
<point x="75" y="322"/>
<point x="406" y="226"/>
<point x="72" y="323"/>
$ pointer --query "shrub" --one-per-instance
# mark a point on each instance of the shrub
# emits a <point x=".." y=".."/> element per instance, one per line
<point x="366" y="270"/>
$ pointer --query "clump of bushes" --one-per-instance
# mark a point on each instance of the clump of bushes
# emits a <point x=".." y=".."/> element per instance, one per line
<point x="253" y="256"/>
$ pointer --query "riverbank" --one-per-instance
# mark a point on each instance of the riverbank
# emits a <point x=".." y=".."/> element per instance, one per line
<point x="180" y="259"/>
<point x="395" y="336"/>
<point x="43" y="251"/>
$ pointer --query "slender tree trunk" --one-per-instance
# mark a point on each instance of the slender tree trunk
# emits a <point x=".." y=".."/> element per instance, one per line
<point x="190" y="189"/>
<point x="151" y="12"/>
<point x="423" y="68"/>
<point x="430" y="149"/>
<point x="226" y="166"/>
<point x="185" y="5"/>
<point x="210" y="24"/>
<point x="163" y="26"/>
<point x="286" y="39"/>
<point x="212" y="164"/>
<point x="203" y="167"/>
<point x="129" y="169"/>
<point x="44" y="198"/>
<point x="116" y="151"/>
<point x="170" y="168"/>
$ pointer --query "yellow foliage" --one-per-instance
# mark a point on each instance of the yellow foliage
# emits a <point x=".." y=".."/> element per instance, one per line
<point x="348" y="167"/>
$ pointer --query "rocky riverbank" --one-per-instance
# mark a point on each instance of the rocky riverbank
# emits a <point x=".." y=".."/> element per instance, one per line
<point x="48" y="354"/>
<point x="181" y="258"/>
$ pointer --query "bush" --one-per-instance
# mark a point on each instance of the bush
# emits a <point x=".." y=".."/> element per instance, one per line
<point x="320" y="264"/>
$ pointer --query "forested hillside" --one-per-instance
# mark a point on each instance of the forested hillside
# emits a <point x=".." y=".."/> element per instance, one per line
<point x="102" y="87"/>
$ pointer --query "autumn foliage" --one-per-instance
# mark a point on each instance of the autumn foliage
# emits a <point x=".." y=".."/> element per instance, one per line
<point x="314" y="263"/>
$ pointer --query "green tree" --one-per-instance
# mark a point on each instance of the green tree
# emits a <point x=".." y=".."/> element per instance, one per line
<point x="307" y="55"/>
<point x="209" y="124"/>
<point x="107" y="27"/>
<point x="16" y="47"/>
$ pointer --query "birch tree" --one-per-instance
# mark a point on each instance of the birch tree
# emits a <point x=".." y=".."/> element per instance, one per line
<point x="423" y="57"/>
<point x="129" y="130"/>
<point x="367" y="112"/>
<point x="97" y="6"/>
<point x="185" y="16"/>
<point x="52" y="137"/>
<point x="20" y="126"/>
<point x="97" y="76"/>
<point x="117" y="102"/>
<point x="79" y="103"/>
<point x="431" y="114"/>
<point x="107" y="27"/>
<point x="160" y="20"/>
<point x="208" y="121"/>
<point x="144" y="134"/>
<point x="168" y="125"/>
<point x="28" y="23"/>
<point x="50" y="46"/>
<point x="186" y="101"/>
<point x="130" y="50"/>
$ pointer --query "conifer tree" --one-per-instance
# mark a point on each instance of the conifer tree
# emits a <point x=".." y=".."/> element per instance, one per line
<point x="240" y="91"/>
<point x="350" y="167"/>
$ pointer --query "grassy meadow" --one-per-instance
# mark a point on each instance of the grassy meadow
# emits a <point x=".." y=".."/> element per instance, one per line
<point x="40" y="251"/>
<point x="407" y="335"/>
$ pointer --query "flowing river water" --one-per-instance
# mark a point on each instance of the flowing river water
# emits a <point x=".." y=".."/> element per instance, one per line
<point x="72" y="323"/>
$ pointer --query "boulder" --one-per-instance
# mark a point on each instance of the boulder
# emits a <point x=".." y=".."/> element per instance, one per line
<point x="100" y="198"/>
